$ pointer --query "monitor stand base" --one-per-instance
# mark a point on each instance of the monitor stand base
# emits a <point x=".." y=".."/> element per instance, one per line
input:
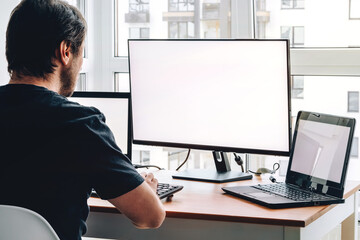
<point x="211" y="175"/>
<point x="221" y="174"/>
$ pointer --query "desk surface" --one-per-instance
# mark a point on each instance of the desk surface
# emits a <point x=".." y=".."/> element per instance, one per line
<point x="201" y="200"/>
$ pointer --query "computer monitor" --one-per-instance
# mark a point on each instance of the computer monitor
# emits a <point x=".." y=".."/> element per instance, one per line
<point x="116" y="108"/>
<point x="221" y="95"/>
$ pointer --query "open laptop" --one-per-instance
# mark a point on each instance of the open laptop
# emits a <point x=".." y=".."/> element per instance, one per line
<point x="317" y="167"/>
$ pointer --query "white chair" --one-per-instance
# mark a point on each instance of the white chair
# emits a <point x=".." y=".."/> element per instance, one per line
<point x="21" y="223"/>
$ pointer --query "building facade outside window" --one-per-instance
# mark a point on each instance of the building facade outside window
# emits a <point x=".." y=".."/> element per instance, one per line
<point x="181" y="30"/>
<point x="353" y="101"/>
<point x="181" y="5"/>
<point x="81" y="83"/>
<point x="139" y="33"/>
<point x="355" y="148"/>
<point x="138" y="5"/>
<point x="292" y="4"/>
<point x="294" y="33"/>
<point x="297" y="87"/>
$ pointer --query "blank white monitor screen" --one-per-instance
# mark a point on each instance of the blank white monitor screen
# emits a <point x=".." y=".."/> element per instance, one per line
<point x="211" y="94"/>
<point x="116" y="111"/>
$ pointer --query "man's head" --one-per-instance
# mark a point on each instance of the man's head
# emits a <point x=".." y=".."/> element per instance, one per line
<point x="45" y="36"/>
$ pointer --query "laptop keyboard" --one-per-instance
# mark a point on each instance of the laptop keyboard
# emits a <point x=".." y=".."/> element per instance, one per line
<point x="292" y="193"/>
<point x="163" y="190"/>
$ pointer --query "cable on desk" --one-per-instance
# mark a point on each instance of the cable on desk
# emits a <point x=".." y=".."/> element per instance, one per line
<point x="147" y="166"/>
<point x="260" y="171"/>
<point x="186" y="159"/>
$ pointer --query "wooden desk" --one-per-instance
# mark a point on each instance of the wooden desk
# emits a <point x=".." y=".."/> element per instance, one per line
<point x="202" y="211"/>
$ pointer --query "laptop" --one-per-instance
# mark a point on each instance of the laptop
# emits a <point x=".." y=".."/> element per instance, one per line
<point x="317" y="167"/>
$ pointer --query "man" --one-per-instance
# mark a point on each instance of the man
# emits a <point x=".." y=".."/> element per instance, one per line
<point x="53" y="151"/>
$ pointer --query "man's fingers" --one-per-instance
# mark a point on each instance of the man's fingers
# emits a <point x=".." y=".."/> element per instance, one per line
<point x="150" y="176"/>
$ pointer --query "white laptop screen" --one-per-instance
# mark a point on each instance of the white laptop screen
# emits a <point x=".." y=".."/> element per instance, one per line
<point x="320" y="150"/>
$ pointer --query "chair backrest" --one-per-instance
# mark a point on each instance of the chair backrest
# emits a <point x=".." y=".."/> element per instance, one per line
<point x="21" y="223"/>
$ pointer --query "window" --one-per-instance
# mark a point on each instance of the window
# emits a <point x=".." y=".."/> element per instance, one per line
<point x="297" y="87"/>
<point x="138" y="5"/>
<point x="353" y="101"/>
<point x="292" y="4"/>
<point x="141" y="157"/>
<point x="354" y="9"/>
<point x="81" y="83"/>
<point x="181" y="30"/>
<point x="294" y="34"/>
<point x="121" y="82"/>
<point x="355" y="148"/>
<point x="142" y="33"/>
<point x="181" y="5"/>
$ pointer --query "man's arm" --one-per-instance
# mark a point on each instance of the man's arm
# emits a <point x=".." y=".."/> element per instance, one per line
<point x="141" y="205"/>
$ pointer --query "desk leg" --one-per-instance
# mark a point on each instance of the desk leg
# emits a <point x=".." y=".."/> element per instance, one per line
<point x="349" y="227"/>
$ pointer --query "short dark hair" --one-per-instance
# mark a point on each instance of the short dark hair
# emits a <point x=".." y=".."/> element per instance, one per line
<point x="35" y="30"/>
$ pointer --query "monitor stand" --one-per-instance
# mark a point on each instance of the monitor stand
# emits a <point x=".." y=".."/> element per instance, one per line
<point x="222" y="174"/>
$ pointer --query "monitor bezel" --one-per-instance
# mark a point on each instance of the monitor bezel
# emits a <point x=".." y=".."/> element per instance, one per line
<point x="118" y="95"/>
<point x="222" y="148"/>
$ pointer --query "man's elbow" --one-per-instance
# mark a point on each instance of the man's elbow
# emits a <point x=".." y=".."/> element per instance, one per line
<point x="154" y="221"/>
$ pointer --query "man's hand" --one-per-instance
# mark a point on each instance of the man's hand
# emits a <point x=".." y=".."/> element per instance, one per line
<point x="151" y="180"/>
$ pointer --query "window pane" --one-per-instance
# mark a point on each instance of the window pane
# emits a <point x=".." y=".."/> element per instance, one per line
<point x="297" y="88"/>
<point x="286" y="33"/>
<point x="353" y="101"/>
<point x="121" y="82"/>
<point x="323" y="23"/>
<point x="144" y="33"/>
<point x="183" y="30"/>
<point x="286" y="4"/>
<point x="173" y="30"/>
<point x="299" y="4"/>
<point x="81" y="83"/>
<point x="298" y="35"/>
<point x="134" y="33"/>
<point x="355" y="147"/>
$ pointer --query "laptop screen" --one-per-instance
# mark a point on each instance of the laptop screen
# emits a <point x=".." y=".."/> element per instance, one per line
<point x="320" y="150"/>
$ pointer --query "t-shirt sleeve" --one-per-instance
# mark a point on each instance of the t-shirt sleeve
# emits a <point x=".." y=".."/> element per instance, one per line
<point x="108" y="170"/>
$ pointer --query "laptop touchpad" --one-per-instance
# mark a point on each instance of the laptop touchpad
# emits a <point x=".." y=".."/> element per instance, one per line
<point x="258" y="194"/>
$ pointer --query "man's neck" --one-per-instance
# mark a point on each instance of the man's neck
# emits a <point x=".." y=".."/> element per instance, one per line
<point x="48" y="83"/>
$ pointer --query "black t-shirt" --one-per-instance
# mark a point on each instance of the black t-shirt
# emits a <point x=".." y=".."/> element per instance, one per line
<point x="53" y="152"/>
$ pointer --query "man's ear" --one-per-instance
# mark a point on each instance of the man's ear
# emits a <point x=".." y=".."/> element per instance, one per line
<point x="64" y="52"/>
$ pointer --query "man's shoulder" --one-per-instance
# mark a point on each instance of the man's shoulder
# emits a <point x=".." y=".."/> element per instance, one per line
<point x="72" y="111"/>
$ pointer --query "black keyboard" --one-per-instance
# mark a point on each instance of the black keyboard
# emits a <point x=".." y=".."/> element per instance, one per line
<point x="289" y="192"/>
<point x="163" y="190"/>
<point x="166" y="190"/>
